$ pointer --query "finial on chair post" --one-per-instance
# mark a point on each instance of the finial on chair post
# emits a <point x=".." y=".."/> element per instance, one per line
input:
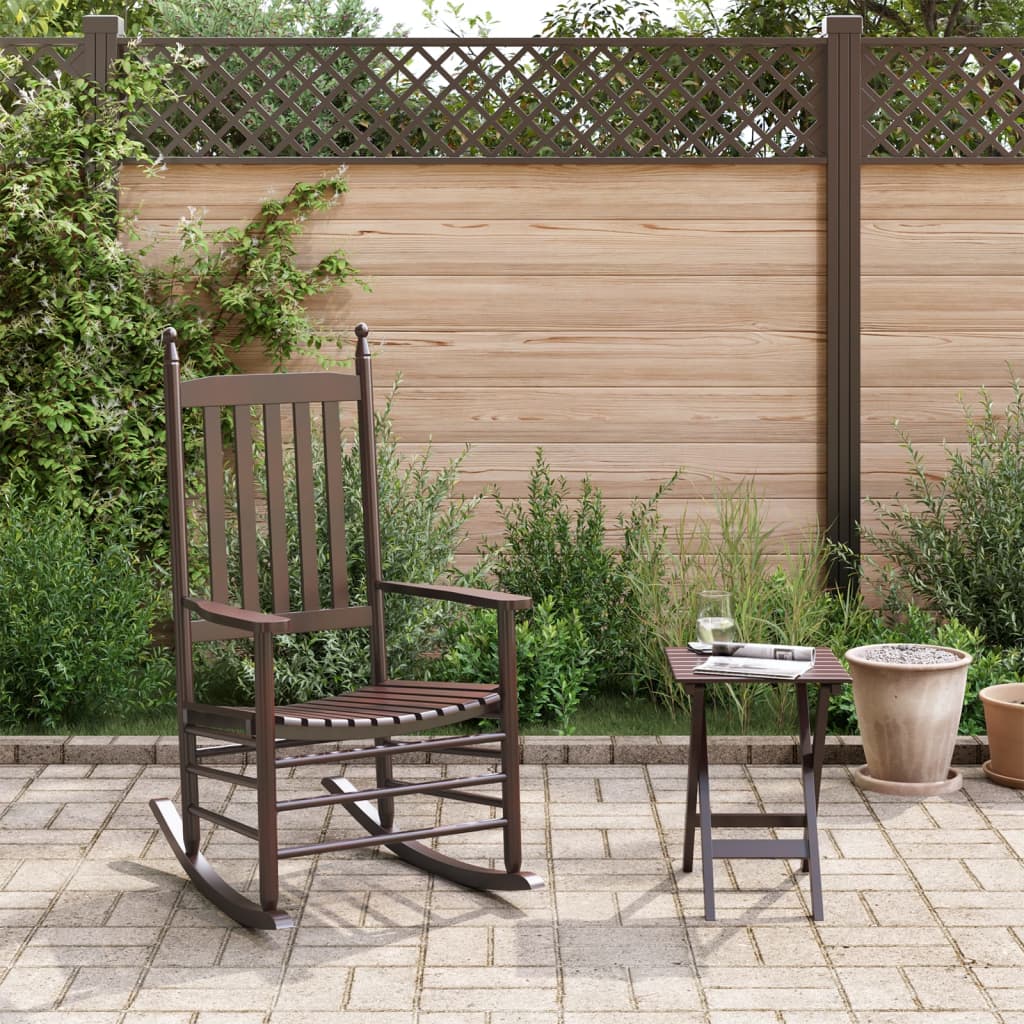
<point x="362" y="333"/>
<point x="169" y="338"/>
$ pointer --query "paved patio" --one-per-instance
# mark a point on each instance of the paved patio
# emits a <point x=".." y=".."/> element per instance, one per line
<point x="924" y="913"/>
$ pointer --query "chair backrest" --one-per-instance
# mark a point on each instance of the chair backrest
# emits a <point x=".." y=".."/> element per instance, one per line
<point x="272" y="495"/>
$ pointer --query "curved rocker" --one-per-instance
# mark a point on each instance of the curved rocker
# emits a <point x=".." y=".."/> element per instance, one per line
<point x="206" y="879"/>
<point x="422" y="856"/>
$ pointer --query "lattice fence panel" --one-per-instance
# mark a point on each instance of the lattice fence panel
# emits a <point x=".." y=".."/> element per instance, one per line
<point x="946" y="99"/>
<point x="497" y="99"/>
<point x="40" y="58"/>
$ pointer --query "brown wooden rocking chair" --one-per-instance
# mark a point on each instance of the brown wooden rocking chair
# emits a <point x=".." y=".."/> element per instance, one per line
<point x="375" y="714"/>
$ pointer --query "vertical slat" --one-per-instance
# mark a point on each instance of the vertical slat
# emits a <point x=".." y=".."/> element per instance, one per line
<point x="276" y="521"/>
<point x="247" y="542"/>
<point x="335" y="499"/>
<point x="215" y="511"/>
<point x="307" y="506"/>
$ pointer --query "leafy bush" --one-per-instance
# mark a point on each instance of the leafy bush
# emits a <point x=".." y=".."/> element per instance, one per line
<point x="554" y="661"/>
<point x="956" y="543"/>
<point x="75" y="621"/>
<point x="551" y="551"/>
<point x="80" y="368"/>
<point x="422" y="523"/>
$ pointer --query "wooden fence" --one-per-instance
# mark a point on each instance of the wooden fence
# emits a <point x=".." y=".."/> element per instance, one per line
<point x="746" y="258"/>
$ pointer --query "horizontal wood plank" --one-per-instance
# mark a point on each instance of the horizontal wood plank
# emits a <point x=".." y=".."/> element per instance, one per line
<point x="545" y="415"/>
<point x="942" y="192"/>
<point x="463" y="189"/>
<point x="941" y="304"/>
<point x="626" y="470"/>
<point x="924" y="414"/>
<point x="623" y="359"/>
<point x="578" y="303"/>
<point x="949" y="360"/>
<point x="941" y="247"/>
<point x="463" y="247"/>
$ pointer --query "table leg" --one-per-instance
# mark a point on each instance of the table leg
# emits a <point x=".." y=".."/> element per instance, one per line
<point x="810" y="771"/>
<point x="707" y="857"/>
<point x="697" y="743"/>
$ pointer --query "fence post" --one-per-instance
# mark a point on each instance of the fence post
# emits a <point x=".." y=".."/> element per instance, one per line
<point x="99" y="48"/>
<point x="844" y="133"/>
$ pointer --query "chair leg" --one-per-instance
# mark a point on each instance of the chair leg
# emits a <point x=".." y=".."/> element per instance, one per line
<point x="385" y="804"/>
<point x="510" y="799"/>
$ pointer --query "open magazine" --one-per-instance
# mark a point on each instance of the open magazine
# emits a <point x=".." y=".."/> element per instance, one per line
<point x="760" y="661"/>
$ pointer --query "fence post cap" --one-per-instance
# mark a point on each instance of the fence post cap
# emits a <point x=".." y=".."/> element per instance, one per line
<point x="833" y="24"/>
<point x="103" y="24"/>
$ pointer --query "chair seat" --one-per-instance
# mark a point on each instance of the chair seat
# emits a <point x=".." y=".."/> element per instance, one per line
<point x="399" y="702"/>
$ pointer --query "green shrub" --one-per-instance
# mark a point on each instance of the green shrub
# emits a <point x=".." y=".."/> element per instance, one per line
<point x="956" y="542"/>
<point x="80" y="366"/>
<point x="551" y="551"/>
<point x="75" y="620"/>
<point x="554" y="661"/>
<point x="422" y="524"/>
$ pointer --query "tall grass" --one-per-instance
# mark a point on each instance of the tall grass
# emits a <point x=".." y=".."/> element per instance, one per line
<point x="772" y="603"/>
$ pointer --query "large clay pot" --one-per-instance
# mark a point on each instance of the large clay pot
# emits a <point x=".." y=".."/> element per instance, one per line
<point x="1004" y="723"/>
<point x="908" y="714"/>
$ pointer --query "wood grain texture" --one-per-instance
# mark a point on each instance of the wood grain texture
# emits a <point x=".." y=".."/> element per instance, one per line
<point x="607" y="414"/>
<point x="925" y="414"/>
<point x="425" y="359"/>
<point x="948" y="360"/>
<point x="461" y="247"/>
<point x="628" y="319"/>
<point x="574" y="302"/>
<point x="942" y="192"/>
<point x="943" y="248"/>
<point x="935" y="305"/>
<point x="460" y="190"/>
<point x="627" y="469"/>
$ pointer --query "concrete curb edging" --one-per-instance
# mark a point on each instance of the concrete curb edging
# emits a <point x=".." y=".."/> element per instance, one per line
<point x="596" y="750"/>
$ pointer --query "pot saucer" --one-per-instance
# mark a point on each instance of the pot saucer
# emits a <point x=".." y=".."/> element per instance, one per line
<point x="865" y="780"/>
<point x="1002" y="780"/>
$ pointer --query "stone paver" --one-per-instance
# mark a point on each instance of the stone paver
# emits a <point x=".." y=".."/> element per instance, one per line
<point x="924" y="906"/>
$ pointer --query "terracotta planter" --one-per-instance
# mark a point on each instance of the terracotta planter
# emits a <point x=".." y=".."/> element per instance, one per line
<point x="1004" y="723"/>
<point x="909" y="714"/>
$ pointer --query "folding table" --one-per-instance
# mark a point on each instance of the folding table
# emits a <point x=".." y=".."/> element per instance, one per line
<point x="828" y="675"/>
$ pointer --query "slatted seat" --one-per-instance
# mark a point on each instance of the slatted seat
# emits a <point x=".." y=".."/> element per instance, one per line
<point x="402" y="706"/>
<point x="254" y="595"/>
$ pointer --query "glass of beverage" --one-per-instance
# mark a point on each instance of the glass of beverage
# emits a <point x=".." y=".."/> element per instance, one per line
<point x="714" y="617"/>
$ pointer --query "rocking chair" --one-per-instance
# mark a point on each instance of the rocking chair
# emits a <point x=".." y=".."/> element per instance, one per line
<point x="256" y="519"/>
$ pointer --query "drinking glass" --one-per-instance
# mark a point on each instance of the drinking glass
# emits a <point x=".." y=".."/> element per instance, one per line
<point x="714" y="617"/>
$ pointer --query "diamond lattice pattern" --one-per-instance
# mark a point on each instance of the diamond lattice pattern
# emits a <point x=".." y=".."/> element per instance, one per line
<point x="348" y="99"/>
<point x="945" y="100"/>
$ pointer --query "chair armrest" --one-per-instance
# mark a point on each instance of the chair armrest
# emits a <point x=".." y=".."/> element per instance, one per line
<point x="230" y="615"/>
<point x="461" y="595"/>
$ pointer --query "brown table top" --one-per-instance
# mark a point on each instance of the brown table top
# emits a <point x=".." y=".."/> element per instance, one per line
<point x="826" y="670"/>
